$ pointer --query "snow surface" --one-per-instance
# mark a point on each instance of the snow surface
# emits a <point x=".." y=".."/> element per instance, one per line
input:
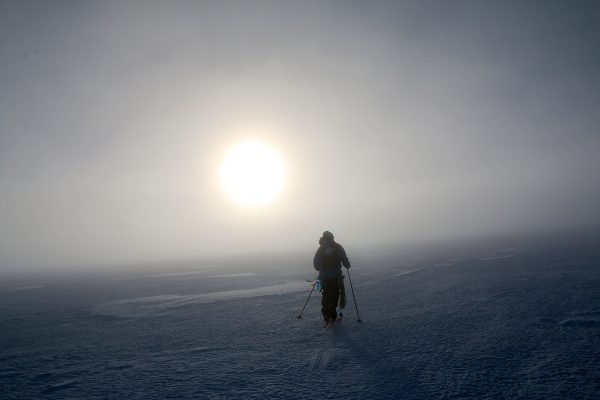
<point x="516" y="325"/>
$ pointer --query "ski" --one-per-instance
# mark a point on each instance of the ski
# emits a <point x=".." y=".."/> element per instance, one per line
<point x="337" y="321"/>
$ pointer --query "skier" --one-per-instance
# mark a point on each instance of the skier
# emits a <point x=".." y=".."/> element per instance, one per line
<point x="328" y="260"/>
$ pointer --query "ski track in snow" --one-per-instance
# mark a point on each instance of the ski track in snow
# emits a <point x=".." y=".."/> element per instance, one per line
<point x="520" y="327"/>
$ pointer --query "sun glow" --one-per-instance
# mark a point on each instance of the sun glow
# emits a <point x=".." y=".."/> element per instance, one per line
<point x="252" y="173"/>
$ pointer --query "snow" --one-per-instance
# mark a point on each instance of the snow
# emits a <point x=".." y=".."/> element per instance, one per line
<point x="148" y="306"/>
<point x="18" y="288"/>
<point x="520" y="325"/>
<point x="408" y="271"/>
<point x="233" y="275"/>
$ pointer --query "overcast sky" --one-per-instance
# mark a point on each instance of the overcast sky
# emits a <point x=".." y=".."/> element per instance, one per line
<point x="398" y="121"/>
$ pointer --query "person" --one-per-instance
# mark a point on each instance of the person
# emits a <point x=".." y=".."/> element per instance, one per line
<point x="328" y="260"/>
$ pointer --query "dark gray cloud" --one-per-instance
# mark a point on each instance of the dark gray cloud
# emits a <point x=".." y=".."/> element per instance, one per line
<point x="400" y="121"/>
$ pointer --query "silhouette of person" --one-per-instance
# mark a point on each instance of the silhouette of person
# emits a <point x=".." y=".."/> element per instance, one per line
<point x="328" y="260"/>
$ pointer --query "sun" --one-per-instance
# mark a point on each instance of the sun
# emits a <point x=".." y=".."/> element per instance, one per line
<point x="252" y="173"/>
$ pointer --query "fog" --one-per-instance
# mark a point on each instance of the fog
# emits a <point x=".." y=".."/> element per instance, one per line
<point x="399" y="122"/>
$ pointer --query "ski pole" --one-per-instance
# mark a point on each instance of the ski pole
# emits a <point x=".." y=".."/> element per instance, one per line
<point x="306" y="302"/>
<point x="353" y="295"/>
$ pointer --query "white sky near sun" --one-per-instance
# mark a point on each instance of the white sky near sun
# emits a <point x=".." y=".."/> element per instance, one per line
<point x="395" y="122"/>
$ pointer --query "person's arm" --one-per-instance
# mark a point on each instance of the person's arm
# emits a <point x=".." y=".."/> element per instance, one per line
<point x="317" y="260"/>
<point x="343" y="256"/>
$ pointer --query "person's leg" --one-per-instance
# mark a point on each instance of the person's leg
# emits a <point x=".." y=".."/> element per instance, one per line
<point x="335" y="294"/>
<point x="328" y="292"/>
<point x="342" y="303"/>
<point x="324" y="301"/>
<point x="330" y="298"/>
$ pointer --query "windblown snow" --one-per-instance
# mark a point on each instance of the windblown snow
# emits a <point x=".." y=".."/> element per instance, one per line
<point x="507" y="325"/>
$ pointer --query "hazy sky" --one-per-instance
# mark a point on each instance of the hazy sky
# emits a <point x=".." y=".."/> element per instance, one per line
<point x="398" y="121"/>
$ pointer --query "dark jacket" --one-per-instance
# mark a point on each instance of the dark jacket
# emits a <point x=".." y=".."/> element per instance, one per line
<point x="329" y="258"/>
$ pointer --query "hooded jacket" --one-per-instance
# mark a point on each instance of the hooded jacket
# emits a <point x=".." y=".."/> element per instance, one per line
<point x="329" y="258"/>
